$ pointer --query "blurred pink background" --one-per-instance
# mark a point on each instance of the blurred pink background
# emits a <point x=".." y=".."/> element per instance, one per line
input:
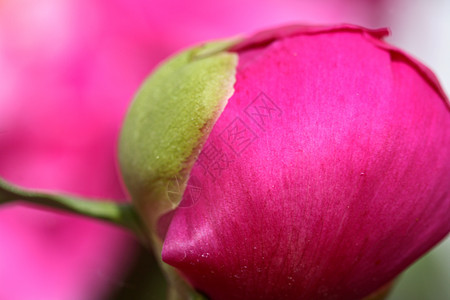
<point x="69" y="69"/>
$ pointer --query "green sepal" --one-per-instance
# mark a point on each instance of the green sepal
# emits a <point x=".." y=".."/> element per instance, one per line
<point x="168" y="122"/>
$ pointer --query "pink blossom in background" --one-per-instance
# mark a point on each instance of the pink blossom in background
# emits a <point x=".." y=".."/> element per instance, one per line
<point x="68" y="70"/>
<point x="52" y="137"/>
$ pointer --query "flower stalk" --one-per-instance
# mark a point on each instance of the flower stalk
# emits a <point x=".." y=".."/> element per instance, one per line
<point x="119" y="214"/>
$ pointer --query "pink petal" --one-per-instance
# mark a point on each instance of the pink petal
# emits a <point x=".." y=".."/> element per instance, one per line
<point x="326" y="175"/>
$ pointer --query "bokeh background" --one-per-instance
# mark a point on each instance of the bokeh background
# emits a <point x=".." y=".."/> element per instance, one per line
<point x="69" y="69"/>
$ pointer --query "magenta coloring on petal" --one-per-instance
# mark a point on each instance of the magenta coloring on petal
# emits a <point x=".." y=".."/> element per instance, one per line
<point x="326" y="175"/>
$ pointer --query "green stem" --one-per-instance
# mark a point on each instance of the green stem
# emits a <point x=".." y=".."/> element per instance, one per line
<point x="120" y="214"/>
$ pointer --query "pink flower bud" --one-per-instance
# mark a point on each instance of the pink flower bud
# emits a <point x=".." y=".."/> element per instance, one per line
<point x="325" y="176"/>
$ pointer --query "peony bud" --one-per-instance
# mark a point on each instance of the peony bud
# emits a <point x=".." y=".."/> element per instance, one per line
<point x="310" y="162"/>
